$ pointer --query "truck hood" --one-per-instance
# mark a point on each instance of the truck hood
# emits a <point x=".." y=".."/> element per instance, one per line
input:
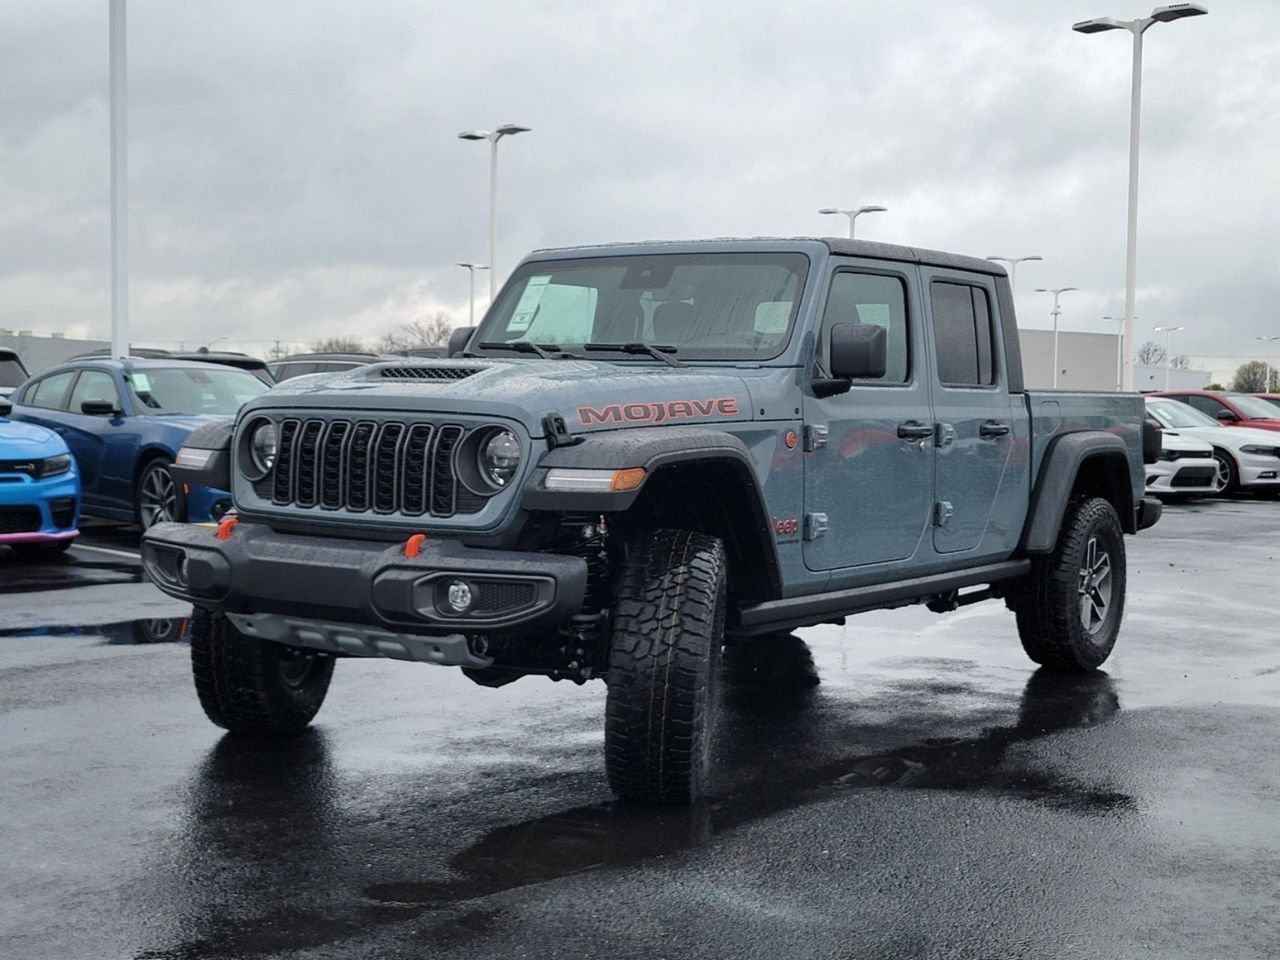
<point x="590" y="395"/>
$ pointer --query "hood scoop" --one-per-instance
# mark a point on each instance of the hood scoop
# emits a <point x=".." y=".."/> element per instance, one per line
<point x="424" y="372"/>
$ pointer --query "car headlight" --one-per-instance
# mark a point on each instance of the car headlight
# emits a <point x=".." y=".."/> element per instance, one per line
<point x="52" y="466"/>
<point x="262" y="446"/>
<point x="499" y="457"/>
<point x="1259" y="450"/>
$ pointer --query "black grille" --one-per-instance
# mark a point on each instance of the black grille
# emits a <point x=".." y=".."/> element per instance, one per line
<point x="63" y="511"/>
<point x="24" y="519"/>
<point x="494" y="597"/>
<point x="427" y="373"/>
<point x="389" y="468"/>
<point x="1193" y="477"/>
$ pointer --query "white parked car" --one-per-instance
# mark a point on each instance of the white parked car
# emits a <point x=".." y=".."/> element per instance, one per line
<point x="1247" y="459"/>
<point x="1186" y="467"/>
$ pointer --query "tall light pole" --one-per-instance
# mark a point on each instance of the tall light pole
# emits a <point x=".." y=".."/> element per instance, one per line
<point x="1163" y="14"/>
<point x="1168" y="349"/>
<point x="1057" y="311"/>
<point x="119" y="182"/>
<point x="853" y="215"/>
<point x="1266" y="362"/>
<point x="1013" y="268"/>
<point x="471" y="270"/>
<point x="1119" y="349"/>
<point x="493" y="136"/>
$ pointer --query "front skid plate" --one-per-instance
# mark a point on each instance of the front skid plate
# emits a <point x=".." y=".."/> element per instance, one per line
<point x="358" y="641"/>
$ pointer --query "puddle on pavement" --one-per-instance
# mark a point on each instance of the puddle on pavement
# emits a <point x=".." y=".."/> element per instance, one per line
<point x="155" y="630"/>
<point x="614" y="835"/>
<point x="62" y="573"/>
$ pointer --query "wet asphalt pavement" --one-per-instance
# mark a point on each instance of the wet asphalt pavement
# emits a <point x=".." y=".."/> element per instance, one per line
<point x="932" y="796"/>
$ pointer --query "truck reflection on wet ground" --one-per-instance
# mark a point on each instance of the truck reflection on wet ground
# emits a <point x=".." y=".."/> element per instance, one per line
<point x="153" y="630"/>
<point x="251" y="799"/>
<point x="60" y="573"/>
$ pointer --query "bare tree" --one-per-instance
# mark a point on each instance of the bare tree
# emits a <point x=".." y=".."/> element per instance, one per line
<point x="1255" y="376"/>
<point x="339" y="345"/>
<point x="1151" y="354"/>
<point x="1181" y="362"/>
<point x="431" y="331"/>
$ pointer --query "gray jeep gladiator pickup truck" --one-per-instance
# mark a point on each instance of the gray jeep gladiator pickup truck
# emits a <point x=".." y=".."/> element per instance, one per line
<point x="643" y="452"/>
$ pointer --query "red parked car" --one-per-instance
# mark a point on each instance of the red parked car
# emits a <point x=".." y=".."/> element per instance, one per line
<point x="1230" y="409"/>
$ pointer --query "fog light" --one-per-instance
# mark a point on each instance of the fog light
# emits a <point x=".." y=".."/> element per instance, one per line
<point x="460" y="596"/>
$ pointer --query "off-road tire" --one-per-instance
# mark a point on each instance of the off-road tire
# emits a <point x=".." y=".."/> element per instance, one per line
<point x="1051" y="605"/>
<point x="664" y="660"/>
<point x="1228" y="473"/>
<point x="248" y="685"/>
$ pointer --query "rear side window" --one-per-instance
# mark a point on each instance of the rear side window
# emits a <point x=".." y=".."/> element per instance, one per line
<point x="963" y="334"/>
<point x="287" y="371"/>
<point x="51" y="392"/>
<point x="1204" y="404"/>
<point x="869" y="298"/>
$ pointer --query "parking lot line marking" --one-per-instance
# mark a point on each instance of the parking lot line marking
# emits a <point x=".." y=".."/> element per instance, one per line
<point x="114" y="553"/>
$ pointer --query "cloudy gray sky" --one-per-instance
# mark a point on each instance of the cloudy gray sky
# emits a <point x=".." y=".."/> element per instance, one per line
<point x="295" y="171"/>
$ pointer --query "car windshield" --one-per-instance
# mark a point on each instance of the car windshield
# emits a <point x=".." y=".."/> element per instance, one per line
<point x="716" y="306"/>
<point x="1175" y="413"/>
<point x="11" y="372"/>
<point x="1255" y="408"/>
<point x="216" y="390"/>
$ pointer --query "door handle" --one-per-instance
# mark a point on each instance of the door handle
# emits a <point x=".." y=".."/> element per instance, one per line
<point x="992" y="429"/>
<point x="913" y="430"/>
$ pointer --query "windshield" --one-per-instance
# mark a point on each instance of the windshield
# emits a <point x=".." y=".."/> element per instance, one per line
<point x="1254" y="408"/>
<point x="11" y="372"/>
<point x="216" y="391"/>
<point x="1174" y="414"/>
<point x="715" y="306"/>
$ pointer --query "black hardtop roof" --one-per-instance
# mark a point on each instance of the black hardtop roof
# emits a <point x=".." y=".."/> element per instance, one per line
<point x="866" y="249"/>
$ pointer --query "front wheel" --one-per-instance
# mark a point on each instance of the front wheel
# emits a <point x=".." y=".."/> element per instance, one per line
<point x="248" y="685"/>
<point x="157" y="495"/>
<point x="1069" y="610"/>
<point x="668" y="631"/>
<point x="1226" y="480"/>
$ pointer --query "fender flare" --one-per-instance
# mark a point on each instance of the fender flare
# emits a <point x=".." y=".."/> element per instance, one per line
<point x="1062" y="464"/>
<point x="216" y="472"/>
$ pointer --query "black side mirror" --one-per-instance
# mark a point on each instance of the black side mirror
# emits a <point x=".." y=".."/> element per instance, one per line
<point x="858" y="351"/>
<point x="1152" y="439"/>
<point x="6" y="406"/>
<point x="98" y="408"/>
<point x="458" y="340"/>
<point x="1226" y="416"/>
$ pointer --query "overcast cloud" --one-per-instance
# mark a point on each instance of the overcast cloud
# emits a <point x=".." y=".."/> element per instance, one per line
<point x="295" y="171"/>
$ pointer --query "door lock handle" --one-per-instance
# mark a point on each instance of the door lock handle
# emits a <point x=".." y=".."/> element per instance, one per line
<point x="992" y="429"/>
<point x="913" y="430"/>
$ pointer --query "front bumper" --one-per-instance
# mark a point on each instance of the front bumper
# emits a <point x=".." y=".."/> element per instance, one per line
<point x="1257" y="470"/>
<point x="343" y="581"/>
<point x="40" y="511"/>
<point x="1190" y="475"/>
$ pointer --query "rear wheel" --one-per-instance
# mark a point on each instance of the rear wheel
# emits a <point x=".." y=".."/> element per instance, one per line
<point x="249" y="685"/>
<point x="157" y="495"/>
<point x="1069" y="611"/>
<point x="668" y="630"/>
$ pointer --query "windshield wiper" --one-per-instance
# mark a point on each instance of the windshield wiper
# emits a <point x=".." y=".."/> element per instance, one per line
<point x="528" y="346"/>
<point x="659" y="351"/>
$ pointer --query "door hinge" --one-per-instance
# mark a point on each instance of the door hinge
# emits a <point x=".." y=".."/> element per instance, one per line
<point x="815" y="525"/>
<point x="815" y="436"/>
<point x="943" y="511"/>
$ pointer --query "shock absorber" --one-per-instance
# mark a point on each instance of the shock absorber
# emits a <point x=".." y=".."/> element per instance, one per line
<point x="584" y="637"/>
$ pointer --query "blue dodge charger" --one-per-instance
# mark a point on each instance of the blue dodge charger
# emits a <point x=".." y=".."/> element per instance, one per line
<point x="39" y="488"/>
<point x="125" y="420"/>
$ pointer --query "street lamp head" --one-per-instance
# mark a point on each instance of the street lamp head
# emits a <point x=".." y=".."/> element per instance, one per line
<point x="1031" y="258"/>
<point x="510" y="129"/>
<point x="474" y="135"/>
<point x="1176" y="11"/>
<point x="830" y="210"/>
<point x="872" y="209"/>
<point x="1098" y="25"/>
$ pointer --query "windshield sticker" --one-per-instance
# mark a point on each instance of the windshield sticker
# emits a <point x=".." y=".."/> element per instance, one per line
<point x="141" y="384"/>
<point x="528" y="305"/>
<point x="658" y="412"/>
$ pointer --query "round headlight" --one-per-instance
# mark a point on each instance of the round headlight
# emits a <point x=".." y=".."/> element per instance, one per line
<point x="262" y="446"/>
<point x="499" y="458"/>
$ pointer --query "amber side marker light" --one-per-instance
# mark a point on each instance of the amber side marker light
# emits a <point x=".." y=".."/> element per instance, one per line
<point x="594" y="481"/>
<point x="629" y="479"/>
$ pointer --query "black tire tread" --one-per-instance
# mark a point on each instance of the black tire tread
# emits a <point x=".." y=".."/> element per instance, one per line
<point x="668" y="628"/>
<point x="1047" y="609"/>
<point x="238" y="682"/>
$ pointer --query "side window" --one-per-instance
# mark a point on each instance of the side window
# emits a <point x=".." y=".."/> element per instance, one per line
<point x="93" y="385"/>
<point x="1205" y="404"/>
<point x="51" y="392"/>
<point x="963" y="334"/>
<point x="869" y="298"/>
